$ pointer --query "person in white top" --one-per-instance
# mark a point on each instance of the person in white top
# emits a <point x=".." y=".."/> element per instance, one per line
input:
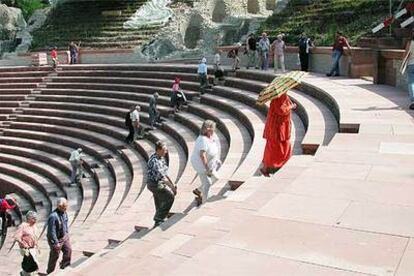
<point x="408" y="65"/>
<point x="205" y="159"/>
<point x="76" y="161"/>
<point x="279" y="47"/>
<point x="136" y="123"/>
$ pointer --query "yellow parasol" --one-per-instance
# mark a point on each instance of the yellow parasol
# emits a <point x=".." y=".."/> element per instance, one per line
<point x="279" y="86"/>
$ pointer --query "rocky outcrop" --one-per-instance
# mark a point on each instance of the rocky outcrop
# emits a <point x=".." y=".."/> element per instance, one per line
<point x="15" y="32"/>
<point x="11" y="22"/>
<point x="196" y="31"/>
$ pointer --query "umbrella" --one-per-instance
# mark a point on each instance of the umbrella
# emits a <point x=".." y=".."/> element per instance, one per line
<point x="279" y="86"/>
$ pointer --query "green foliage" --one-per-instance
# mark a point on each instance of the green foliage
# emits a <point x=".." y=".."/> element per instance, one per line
<point x="29" y="6"/>
<point x="320" y="19"/>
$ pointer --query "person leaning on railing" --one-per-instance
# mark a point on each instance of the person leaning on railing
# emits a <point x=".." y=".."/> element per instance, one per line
<point x="408" y="66"/>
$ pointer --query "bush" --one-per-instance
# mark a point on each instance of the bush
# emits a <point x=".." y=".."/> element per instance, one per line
<point x="29" y="6"/>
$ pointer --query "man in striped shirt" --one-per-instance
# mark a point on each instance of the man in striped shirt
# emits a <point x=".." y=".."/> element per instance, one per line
<point x="158" y="182"/>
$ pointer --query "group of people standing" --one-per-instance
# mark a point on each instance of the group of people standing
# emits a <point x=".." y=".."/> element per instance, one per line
<point x="73" y="54"/>
<point x="259" y="52"/>
<point x="27" y="236"/>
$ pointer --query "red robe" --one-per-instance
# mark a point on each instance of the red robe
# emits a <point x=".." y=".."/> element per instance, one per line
<point x="277" y="133"/>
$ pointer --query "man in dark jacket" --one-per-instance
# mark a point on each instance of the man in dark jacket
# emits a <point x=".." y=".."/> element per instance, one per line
<point x="154" y="114"/>
<point x="58" y="236"/>
<point x="129" y="125"/>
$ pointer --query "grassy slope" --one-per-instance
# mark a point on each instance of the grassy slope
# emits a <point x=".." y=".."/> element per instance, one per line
<point x="320" y="19"/>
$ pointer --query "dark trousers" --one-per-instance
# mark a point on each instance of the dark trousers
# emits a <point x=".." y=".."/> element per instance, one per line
<point x="73" y="58"/>
<point x="6" y="221"/>
<point x="203" y="82"/>
<point x="304" y="61"/>
<point x="163" y="200"/>
<point x="66" y="249"/>
<point x="154" y="117"/>
<point x="130" y="136"/>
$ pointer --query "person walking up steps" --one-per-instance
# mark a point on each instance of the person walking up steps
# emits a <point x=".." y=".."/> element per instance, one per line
<point x="136" y="123"/>
<point x="202" y="74"/>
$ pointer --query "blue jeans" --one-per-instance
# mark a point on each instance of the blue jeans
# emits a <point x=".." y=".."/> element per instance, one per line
<point x="336" y="56"/>
<point x="410" y="76"/>
<point x="265" y="60"/>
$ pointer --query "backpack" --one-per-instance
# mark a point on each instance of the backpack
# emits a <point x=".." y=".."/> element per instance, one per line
<point x="128" y="121"/>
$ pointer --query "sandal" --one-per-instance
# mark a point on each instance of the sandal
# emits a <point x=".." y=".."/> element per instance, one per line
<point x="264" y="172"/>
<point x="197" y="192"/>
<point x="199" y="201"/>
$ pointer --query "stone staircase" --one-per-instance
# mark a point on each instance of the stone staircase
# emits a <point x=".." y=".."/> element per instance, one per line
<point x="96" y="24"/>
<point x="84" y="105"/>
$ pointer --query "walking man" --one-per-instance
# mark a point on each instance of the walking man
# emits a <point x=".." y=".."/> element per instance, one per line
<point x="264" y="47"/>
<point x="202" y="74"/>
<point x="279" y="47"/>
<point x="251" y="52"/>
<point x="76" y="162"/>
<point x="160" y="184"/>
<point x="337" y="52"/>
<point x="128" y="124"/>
<point x="154" y="114"/>
<point x="58" y="236"/>
<point x="305" y="44"/>
<point x="138" y="130"/>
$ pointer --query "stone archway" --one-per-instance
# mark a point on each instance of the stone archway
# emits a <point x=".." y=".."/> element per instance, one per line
<point x="193" y="32"/>
<point x="253" y="6"/>
<point x="219" y="12"/>
<point x="270" y="5"/>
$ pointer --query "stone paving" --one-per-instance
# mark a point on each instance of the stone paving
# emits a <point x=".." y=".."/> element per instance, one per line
<point x="345" y="211"/>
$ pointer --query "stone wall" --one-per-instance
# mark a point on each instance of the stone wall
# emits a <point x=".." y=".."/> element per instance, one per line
<point x="383" y="66"/>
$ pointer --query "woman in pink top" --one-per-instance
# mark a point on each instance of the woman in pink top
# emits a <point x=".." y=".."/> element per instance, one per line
<point x="27" y="236"/>
<point x="177" y="97"/>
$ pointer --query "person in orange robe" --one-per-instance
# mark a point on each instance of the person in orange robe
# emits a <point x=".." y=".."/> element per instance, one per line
<point x="277" y="134"/>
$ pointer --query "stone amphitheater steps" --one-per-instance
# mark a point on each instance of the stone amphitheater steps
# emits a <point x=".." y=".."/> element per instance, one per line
<point x="151" y="147"/>
<point x="15" y="91"/>
<point x="320" y="122"/>
<point x="36" y="197"/>
<point x="88" y="143"/>
<point x="24" y="69"/>
<point x="48" y="143"/>
<point x="98" y="110"/>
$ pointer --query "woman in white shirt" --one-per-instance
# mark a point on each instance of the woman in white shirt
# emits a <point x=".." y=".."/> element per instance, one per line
<point x="206" y="159"/>
<point x="409" y="62"/>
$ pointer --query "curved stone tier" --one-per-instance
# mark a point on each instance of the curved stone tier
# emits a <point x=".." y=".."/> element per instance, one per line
<point x="44" y="115"/>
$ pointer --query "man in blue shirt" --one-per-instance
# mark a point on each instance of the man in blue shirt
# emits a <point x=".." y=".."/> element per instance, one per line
<point x="160" y="184"/>
<point x="58" y="236"/>
<point x="202" y="74"/>
<point x="264" y="48"/>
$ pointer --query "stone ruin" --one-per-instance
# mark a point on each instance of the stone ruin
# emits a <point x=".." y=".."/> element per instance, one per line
<point x="190" y="31"/>
<point x="198" y="30"/>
